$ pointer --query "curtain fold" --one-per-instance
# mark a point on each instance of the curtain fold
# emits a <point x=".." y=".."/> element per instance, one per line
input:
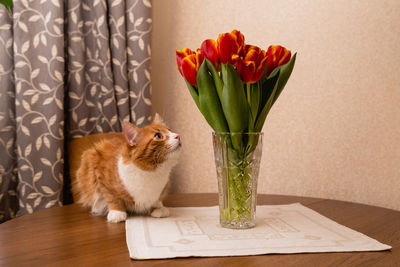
<point x="8" y="158"/>
<point x="68" y="69"/>
<point x="39" y="92"/>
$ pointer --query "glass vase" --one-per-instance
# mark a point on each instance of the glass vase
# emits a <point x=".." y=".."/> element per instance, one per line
<point x="237" y="160"/>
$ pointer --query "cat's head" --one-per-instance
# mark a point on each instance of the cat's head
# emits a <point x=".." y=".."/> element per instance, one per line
<point x="151" y="145"/>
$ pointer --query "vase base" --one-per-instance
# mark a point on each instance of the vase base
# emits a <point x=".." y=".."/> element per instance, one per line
<point x="237" y="225"/>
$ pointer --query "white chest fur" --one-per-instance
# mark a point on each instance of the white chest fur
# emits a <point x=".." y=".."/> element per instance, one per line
<point x="145" y="187"/>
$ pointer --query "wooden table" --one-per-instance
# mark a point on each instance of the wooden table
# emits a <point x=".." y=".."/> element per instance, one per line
<point x="70" y="236"/>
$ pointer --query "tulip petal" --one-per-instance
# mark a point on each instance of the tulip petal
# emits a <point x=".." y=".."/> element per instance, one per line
<point x="210" y="51"/>
<point x="246" y="70"/>
<point x="251" y="52"/>
<point x="191" y="65"/>
<point x="262" y="62"/>
<point x="180" y="55"/>
<point x="276" y="56"/>
<point x="229" y="45"/>
<point x="189" y="69"/>
<point x="251" y="63"/>
<point x="239" y="38"/>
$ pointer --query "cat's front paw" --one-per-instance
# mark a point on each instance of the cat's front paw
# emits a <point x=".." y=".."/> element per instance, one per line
<point x="115" y="216"/>
<point x="160" y="212"/>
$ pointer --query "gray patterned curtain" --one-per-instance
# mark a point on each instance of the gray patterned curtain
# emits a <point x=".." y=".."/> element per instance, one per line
<point x="67" y="69"/>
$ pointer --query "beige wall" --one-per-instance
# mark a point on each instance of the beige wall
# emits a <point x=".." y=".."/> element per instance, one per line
<point x="334" y="131"/>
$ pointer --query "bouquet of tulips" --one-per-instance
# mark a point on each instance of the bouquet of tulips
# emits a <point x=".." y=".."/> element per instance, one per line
<point x="234" y="85"/>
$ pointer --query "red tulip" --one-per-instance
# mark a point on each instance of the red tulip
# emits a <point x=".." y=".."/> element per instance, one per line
<point x="180" y="55"/>
<point x="210" y="51"/>
<point x="251" y="63"/>
<point x="190" y="66"/>
<point x="229" y="44"/>
<point x="276" y="56"/>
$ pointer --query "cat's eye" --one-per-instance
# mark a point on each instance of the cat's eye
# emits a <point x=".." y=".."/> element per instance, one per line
<point x="157" y="136"/>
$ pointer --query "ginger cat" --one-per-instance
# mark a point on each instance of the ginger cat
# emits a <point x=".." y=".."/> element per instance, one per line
<point x="129" y="172"/>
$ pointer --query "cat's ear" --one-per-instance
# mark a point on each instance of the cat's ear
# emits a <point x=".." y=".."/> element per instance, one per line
<point x="157" y="119"/>
<point x="130" y="132"/>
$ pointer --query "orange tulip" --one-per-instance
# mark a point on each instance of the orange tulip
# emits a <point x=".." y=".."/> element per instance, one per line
<point x="251" y="63"/>
<point x="190" y="66"/>
<point x="276" y="56"/>
<point x="210" y="51"/>
<point x="229" y="45"/>
<point x="180" y="55"/>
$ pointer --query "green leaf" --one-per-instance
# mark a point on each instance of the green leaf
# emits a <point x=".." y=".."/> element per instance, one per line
<point x="264" y="76"/>
<point x="272" y="88"/>
<point x="233" y="100"/>
<point x="253" y="97"/>
<point x="269" y="89"/>
<point x="217" y="79"/>
<point x="193" y="92"/>
<point x="285" y="71"/>
<point x="6" y="3"/>
<point x="209" y="103"/>
<point x="234" y="103"/>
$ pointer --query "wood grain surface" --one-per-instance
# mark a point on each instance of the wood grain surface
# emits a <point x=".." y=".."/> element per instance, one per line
<point x="70" y="236"/>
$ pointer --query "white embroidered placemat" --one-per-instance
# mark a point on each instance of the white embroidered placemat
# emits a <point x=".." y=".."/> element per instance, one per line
<point x="279" y="229"/>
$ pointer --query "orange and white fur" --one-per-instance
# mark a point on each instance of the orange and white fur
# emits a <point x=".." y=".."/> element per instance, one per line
<point x="128" y="172"/>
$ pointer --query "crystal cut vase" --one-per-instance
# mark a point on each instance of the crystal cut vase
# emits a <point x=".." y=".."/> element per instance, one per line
<point x="237" y="161"/>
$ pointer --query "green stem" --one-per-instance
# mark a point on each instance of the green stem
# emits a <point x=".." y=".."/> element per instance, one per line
<point x="239" y="176"/>
<point x="248" y="86"/>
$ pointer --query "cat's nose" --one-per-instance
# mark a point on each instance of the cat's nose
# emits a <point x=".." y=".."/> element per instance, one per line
<point x="177" y="137"/>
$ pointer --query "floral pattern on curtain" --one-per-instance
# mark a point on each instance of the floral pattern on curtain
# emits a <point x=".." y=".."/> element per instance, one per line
<point x="67" y="69"/>
<point x="109" y="57"/>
